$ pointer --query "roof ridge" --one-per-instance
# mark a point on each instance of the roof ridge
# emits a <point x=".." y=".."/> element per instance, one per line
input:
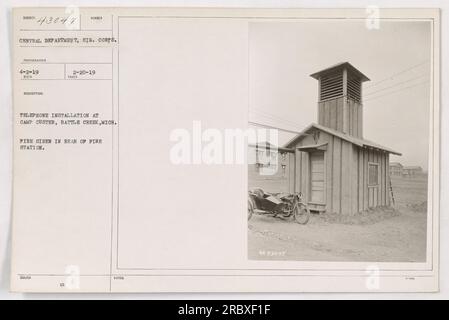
<point x="344" y="136"/>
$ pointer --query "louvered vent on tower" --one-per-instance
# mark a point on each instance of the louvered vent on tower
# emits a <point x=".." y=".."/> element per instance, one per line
<point x="331" y="86"/>
<point x="340" y="80"/>
<point x="354" y="87"/>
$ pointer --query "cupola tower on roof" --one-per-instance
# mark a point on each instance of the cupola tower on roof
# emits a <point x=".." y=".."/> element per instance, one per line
<point x="340" y="98"/>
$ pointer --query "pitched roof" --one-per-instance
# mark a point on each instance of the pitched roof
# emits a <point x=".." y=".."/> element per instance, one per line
<point x="357" y="141"/>
<point x="339" y="66"/>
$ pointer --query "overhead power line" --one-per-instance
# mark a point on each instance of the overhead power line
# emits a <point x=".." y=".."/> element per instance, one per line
<point x="275" y="117"/>
<point x="389" y="93"/>
<point x="395" y="85"/>
<point x="272" y="127"/>
<point x="277" y="121"/>
<point x="396" y="74"/>
<point x="271" y="115"/>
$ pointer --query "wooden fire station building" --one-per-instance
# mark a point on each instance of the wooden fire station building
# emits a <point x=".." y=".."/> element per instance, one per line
<point x="335" y="168"/>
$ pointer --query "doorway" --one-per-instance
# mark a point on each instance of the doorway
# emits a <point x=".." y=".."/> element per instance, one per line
<point x="317" y="177"/>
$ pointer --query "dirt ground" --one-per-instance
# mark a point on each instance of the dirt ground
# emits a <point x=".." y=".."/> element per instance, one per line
<point x="383" y="235"/>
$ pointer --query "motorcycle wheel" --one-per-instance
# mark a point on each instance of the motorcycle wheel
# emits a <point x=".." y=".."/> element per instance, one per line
<point x="287" y="211"/>
<point x="301" y="214"/>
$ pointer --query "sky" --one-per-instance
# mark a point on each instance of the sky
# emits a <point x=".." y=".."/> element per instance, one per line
<point x="396" y="58"/>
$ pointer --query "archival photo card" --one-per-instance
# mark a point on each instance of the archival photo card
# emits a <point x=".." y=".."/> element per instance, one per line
<point x="225" y="150"/>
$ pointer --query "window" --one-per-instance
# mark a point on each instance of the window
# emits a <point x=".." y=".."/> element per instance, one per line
<point x="373" y="174"/>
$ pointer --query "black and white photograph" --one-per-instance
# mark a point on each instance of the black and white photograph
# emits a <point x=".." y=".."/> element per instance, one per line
<point x="347" y="178"/>
<point x="289" y="150"/>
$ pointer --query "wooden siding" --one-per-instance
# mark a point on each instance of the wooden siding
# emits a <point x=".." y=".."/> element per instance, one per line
<point x="336" y="176"/>
<point x="330" y="113"/>
<point x="355" y="118"/>
<point x="373" y="196"/>
<point x="341" y="114"/>
<point x="361" y="180"/>
<point x="328" y="159"/>
<point x="291" y="173"/>
<point x="346" y="175"/>
<point x="387" y="179"/>
<point x="354" y="180"/>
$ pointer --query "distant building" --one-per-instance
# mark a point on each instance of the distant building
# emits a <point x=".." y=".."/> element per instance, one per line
<point x="396" y="169"/>
<point x="411" y="171"/>
<point x="269" y="161"/>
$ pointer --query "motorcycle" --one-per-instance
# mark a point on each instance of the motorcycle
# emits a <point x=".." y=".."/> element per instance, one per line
<point x="278" y="205"/>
